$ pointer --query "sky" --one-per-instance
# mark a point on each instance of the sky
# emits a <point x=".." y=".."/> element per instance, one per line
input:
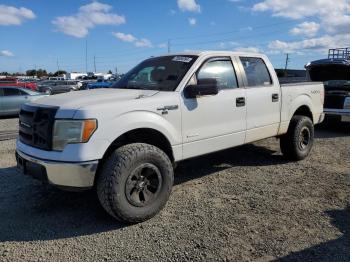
<point x="118" y="34"/>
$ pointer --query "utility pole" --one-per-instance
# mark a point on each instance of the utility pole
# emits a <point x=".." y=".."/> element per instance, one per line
<point x="95" y="63"/>
<point x="286" y="66"/>
<point x="169" y="45"/>
<point x="86" y="53"/>
<point x="58" y="66"/>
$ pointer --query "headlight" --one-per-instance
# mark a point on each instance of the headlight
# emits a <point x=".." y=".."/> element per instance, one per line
<point x="72" y="131"/>
<point x="347" y="103"/>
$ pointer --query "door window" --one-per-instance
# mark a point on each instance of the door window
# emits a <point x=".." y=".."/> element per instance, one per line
<point x="11" y="92"/>
<point x="221" y="70"/>
<point x="256" y="71"/>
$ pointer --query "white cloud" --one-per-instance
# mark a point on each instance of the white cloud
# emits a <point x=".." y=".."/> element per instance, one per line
<point x="163" y="45"/>
<point x="125" y="37"/>
<point x="298" y="9"/>
<point x="319" y="44"/>
<point x="248" y="28"/>
<point x="88" y="17"/>
<point x="10" y="15"/>
<point x="192" y="21"/>
<point x="309" y="29"/>
<point x="228" y="45"/>
<point x="333" y="17"/>
<point x="143" y="42"/>
<point x="6" y="53"/>
<point x="189" y="5"/>
<point x="250" y="49"/>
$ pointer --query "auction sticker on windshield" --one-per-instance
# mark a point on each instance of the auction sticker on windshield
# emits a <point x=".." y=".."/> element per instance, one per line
<point x="182" y="59"/>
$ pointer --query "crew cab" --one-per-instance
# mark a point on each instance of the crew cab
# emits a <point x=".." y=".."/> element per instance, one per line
<point x="124" y="141"/>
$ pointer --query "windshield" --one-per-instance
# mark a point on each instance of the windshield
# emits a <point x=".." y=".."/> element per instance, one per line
<point x="159" y="73"/>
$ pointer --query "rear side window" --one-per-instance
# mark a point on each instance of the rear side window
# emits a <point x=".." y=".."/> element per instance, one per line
<point x="221" y="70"/>
<point x="256" y="71"/>
<point x="11" y="92"/>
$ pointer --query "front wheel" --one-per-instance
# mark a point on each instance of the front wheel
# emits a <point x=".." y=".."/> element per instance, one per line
<point x="297" y="143"/>
<point x="135" y="182"/>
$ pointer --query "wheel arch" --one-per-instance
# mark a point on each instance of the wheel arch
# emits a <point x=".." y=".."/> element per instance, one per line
<point x="304" y="110"/>
<point x="139" y="135"/>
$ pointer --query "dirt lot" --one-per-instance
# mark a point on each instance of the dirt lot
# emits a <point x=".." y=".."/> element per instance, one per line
<point x="239" y="205"/>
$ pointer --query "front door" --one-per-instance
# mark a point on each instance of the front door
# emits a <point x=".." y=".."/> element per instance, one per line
<point x="215" y="122"/>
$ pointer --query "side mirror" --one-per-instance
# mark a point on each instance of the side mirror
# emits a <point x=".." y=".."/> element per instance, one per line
<point x="205" y="87"/>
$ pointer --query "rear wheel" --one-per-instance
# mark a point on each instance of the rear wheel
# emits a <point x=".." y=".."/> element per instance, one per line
<point x="135" y="182"/>
<point x="297" y="143"/>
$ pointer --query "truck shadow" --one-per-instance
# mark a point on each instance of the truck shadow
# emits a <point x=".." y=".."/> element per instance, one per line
<point x="332" y="130"/>
<point x="32" y="211"/>
<point x="8" y="117"/>
<point x="332" y="251"/>
<point x="246" y="155"/>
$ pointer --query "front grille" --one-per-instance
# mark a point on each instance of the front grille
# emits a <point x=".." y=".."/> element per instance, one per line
<point x="36" y="126"/>
<point x="334" y="101"/>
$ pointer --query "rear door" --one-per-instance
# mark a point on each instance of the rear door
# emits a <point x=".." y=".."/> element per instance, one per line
<point x="263" y="98"/>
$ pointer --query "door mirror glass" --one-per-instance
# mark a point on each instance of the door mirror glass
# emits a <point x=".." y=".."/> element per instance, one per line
<point x="204" y="87"/>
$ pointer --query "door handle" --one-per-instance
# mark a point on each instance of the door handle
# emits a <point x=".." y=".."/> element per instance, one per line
<point x="240" y="101"/>
<point x="275" y="97"/>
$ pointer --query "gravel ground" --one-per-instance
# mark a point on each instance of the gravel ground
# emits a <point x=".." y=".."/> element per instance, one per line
<point x="242" y="204"/>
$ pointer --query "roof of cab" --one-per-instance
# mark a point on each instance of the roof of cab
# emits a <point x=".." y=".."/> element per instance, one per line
<point x="213" y="52"/>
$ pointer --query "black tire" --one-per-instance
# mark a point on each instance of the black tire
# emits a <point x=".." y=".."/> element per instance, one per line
<point x="297" y="143"/>
<point x="135" y="182"/>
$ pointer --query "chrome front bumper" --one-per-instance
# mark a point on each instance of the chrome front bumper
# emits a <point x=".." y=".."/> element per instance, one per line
<point x="62" y="174"/>
<point x="343" y="113"/>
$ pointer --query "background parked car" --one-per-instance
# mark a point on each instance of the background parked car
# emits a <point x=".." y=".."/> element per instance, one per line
<point x="12" y="81"/>
<point x="99" y="84"/>
<point x="52" y="87"/>
<point x="12" y="98"/>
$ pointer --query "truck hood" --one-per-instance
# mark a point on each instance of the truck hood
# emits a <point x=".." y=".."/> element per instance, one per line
<point x="78" y="99"/>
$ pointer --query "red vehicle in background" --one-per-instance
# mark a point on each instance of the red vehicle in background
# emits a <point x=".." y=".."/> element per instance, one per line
<point x="12" y="81"/>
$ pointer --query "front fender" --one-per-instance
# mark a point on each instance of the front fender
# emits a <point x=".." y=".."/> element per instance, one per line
<point x="169" y="126"/>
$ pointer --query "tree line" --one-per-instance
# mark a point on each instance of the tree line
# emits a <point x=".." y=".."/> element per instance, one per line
<point x="38" y="73"/>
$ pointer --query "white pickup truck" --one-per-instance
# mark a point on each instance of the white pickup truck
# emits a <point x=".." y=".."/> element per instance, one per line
<point x="124" y="141"/>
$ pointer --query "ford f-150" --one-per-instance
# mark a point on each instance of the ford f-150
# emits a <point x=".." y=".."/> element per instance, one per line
<point x="124" y="141"/>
